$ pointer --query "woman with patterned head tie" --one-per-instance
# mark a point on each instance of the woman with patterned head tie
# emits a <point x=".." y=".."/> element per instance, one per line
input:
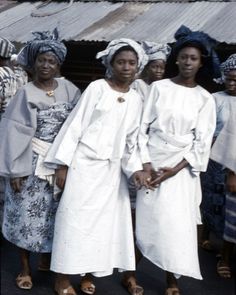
<point x="224" y="153"/>
<point x="28" y="128"/>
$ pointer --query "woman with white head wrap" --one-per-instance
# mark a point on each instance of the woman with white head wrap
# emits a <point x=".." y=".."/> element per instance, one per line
<point x="154" y="69"/>
<point x="224" y="153"/>
<point x="93" y="229"/>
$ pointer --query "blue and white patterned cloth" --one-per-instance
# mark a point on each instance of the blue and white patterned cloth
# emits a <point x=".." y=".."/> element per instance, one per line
<point x="29" y="215"/>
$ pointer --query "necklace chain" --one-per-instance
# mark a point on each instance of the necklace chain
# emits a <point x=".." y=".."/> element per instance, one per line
<point x="50" y="92"/>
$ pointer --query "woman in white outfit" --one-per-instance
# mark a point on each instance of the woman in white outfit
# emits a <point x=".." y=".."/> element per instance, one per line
<point x="93" y="228"/>
<point x="180" y="116"/>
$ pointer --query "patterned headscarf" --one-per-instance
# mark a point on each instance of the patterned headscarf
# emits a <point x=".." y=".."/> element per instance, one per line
<point x="6" y="48"/>
<point x="229" y="64"/>
<point x="185" y="37"/>
<point x="156" y="51"/>
<point x="107" y="54"/>
<point x="225" y="67"/>
<point x="42" y="42"/>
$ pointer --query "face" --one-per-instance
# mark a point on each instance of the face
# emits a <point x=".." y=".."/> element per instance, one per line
<point x="156" y="70"/>
<point x="125" y="66"/>
<point x="230" y="82"/>
<point x="46" y="66"/>
<point x="189" y="62"/>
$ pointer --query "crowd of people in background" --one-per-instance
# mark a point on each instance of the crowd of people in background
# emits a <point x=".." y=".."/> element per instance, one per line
<point x="95" y="181"/>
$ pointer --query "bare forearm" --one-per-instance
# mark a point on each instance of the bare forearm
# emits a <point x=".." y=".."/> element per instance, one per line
<point x="184" y="163"/>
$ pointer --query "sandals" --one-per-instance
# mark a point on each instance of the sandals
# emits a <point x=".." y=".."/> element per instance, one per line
<point x="69" y="291"/>
<point x="223" y="270"/>
<point x="24" y="282"/>
<point x="87" y="286"/>
<point x="172" y="291"/>
<point x="132" y="287"/>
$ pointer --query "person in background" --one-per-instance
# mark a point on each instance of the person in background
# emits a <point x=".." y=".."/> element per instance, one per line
<point x="155" y="68"/>
<point x="180" y="116"/>
<point x="153" y="71"/>
<point x="224" y="152"/>
<point x="11" y="78"/>
<point x="93" y="230"/>
<point x="28" y="128"/>
<point x="213" y="201"/>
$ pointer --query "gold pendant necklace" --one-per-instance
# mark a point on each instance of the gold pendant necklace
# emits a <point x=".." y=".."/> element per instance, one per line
<point x="50" y="93"/>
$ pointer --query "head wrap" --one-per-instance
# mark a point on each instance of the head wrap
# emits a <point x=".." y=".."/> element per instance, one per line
<point x="156" y="51"/>
<point x="225" y="67"/>
<point x="229" y="64"/>
<point x="185" y="37"/>
<point x="42" y="42"/>
<point x="107" y="54"/>
<point x="6" y="48"/>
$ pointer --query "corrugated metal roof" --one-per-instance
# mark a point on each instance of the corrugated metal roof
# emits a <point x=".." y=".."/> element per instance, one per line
<point x="104" y="21"/>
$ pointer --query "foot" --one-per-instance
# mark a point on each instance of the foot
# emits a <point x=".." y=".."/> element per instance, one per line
<point x="132" y="287"/>
<point x="24" y="281"/>
<point x="172" y="291"/>
<point x="87" y="286"/>
<point x="223" y="269"/>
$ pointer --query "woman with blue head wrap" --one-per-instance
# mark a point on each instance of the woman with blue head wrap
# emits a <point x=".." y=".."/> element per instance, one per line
<point x="175" y="139"/>
<point x="43" y="42"/>
<point x="28" y="128"/>
<point x="96" y="146"/>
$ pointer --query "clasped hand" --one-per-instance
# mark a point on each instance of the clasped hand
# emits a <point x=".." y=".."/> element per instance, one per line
<point x="150" y="178"/>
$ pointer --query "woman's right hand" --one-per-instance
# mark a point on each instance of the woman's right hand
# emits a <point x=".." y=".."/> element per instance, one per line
<point x="16" y="184"/>
<point x="61" y="173"/>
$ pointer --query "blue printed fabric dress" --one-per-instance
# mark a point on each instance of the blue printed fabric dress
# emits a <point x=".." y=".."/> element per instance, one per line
<point x="29" y="215"/>
<point x="213" y="180"/>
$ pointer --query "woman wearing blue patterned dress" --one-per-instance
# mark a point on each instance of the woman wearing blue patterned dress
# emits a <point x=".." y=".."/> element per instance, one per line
<point x="223" y="152"/>
<point x="28" y="128"/>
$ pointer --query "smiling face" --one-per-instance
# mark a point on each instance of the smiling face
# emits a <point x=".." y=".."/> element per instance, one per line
<point x="189" y="62"/>
<point x="230" y="82"/>
<point x="46" y="66"/>
<point x="124" y="66"/>
<point x="155" y="70"/>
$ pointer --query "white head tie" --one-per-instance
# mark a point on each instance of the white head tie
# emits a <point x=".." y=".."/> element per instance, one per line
<point x="107" y="54"/>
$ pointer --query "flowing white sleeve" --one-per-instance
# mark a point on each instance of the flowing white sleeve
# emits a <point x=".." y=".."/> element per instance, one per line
<point x="149" y="116"/>
<point x="65" y="143"/>
<point x="198" y="156"/>
<point x="131" y="161"/>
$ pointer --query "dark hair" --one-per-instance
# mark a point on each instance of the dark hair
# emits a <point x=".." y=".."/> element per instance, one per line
<point x="191" y="43"/>
<point x="124" y="48"/>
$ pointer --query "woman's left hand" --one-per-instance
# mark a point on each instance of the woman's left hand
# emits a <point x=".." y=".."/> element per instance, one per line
<point x="231" y="182"/>
<point x="162" y="174"/>
<point x="61" y="174"/>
